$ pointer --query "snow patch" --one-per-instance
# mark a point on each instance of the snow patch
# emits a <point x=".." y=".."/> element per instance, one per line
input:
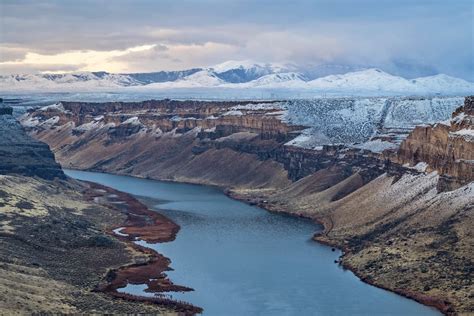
<point x="310" y="139"/>
<point x="458" y="118"/>
<point x="133" y="121"/>
<point x="259" y="106"/>
<point x="57" y="106"/>
<point x="466" y="131"/>
<point x="421" y="166"/>
<point x="117" y="231"/>
<point x="31" y="122"/>
<point x="466" y="134"/>
<point x="89" y="126"/>
<point x="233" y="113"/>
<point x="376" y="146"/>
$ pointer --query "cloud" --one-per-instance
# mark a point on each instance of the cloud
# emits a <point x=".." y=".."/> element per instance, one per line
<point x="98" y="35"/>
<point x="8" y="53"/>
<point x="87" y="60"/>
<point x="177" y="56"/>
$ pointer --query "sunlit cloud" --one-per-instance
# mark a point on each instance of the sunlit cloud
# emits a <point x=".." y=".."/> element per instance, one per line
<point x="87" y="60"/>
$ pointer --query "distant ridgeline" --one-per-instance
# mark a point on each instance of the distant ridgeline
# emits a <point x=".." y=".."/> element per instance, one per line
<point x="21" y="154"/>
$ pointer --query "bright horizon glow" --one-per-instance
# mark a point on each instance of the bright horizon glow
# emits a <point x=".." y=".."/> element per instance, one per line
<point x="88" y="60"/>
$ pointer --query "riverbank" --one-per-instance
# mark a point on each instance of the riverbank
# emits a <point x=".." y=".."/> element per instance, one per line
<point x="443" y="306"/>
<point x="323" y="237"/>
<point x="55" y="251"/>
<point x="151" y="227"/>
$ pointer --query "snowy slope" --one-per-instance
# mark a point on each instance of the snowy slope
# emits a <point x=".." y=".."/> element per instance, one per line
<point x="370" y="79"/>
<point x="67" y="82"/>
<point x="374" y="80"/>
<point x="241" y="74"/>
<point x="356" y="120"/>
<point x="245" y="71"/>
<point x="249" y="65"/>
<point x="279" y="80"/>
<point x="200" y="79"/>
<point x="443" y="83"/>
<point x="203" y="78"/>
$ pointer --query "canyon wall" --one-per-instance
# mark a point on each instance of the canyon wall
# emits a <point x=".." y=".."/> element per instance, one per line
<point x="21" y="154"/>
<point x="446" y="147"/>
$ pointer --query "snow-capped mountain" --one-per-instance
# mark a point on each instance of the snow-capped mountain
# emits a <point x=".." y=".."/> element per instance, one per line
<point x="276" y="80"/>
<point x="443" y="83"/>
<point x="245" y="71"/>
<point x="162" y="76"/>
<point x="245" y="75"/>
<point x="370" y="79"/>
<point x="373" y="80"/>
<point x="318" y="71"/>
<point x="199" y="79"/>
<point x="69" y="81"/>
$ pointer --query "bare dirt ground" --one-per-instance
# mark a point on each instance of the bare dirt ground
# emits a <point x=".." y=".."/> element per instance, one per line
<point x="55" y="250"/>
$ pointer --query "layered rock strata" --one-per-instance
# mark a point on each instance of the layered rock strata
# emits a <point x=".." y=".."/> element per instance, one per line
<point x="446" y="147"/>
<point x="21" y="154"/>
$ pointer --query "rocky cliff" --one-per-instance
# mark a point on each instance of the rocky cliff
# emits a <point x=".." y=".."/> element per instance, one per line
<point x="21" y="154"/>
<point x="197" y="142"/>
<point x="446" y="147"/>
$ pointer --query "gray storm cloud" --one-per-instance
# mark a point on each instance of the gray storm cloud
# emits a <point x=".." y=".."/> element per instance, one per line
<point x="408" y="37"/>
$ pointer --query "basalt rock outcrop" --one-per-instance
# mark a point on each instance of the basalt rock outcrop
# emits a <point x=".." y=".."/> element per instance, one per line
<point x="21" y="154"/>
<point x="446" y="147"/>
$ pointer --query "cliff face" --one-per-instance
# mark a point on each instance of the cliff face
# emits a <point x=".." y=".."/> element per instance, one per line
<point x="196" y="142"/>
<point x="21" y="154"/>
<point x="446" y="147"/>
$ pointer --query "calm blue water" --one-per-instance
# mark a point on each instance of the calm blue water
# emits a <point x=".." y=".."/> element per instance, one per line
<point x="242" y="260"/>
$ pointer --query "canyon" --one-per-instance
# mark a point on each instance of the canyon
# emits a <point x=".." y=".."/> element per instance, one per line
<point x="397" y="196"/>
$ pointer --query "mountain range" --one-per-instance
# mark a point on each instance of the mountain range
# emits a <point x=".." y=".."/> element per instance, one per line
<point x="245" y="75"/>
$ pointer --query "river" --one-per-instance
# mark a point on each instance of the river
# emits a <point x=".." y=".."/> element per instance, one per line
<point x="242" y="260"/>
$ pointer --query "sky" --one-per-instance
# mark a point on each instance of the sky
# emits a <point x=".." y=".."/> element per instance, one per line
<point x="406" y="37"/>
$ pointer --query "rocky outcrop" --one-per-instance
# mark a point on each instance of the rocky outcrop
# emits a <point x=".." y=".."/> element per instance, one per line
<point x="6" y="110"/>
<point x="446" y="147"/>
<point x="21" y="154"/>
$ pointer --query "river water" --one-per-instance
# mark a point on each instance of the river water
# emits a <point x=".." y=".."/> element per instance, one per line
<point x="242" y="260"/>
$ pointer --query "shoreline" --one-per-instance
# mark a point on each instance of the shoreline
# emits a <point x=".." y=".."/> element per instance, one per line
<point x="443" y="306"/>
<point x="149" y="226"/>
